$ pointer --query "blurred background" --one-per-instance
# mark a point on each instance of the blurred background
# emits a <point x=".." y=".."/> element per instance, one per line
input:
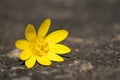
<point x="82" y="18"/>
<point x="94" y="38"/>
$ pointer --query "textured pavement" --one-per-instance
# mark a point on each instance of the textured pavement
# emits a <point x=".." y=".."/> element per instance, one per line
<point x="94" y="38"/>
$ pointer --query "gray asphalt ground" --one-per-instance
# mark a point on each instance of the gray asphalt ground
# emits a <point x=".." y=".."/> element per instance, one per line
<point x="94" y="38"/>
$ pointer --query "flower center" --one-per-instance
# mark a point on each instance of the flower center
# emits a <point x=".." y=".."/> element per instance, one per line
<point x="39" y="47"/>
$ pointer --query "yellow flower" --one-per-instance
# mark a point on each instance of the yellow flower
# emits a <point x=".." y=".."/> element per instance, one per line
<point x="41" y="48"/>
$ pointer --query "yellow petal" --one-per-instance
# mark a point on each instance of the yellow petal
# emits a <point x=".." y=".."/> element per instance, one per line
<point x="54" y="57"/>
<point x="56" y="36"/>
<point x="22" y="44"/>
<point x="59" y="49"/>
<point x="30" y="32"/>
<point x="26" y="54"/>
<point x="43" y="60"/>
<point x="30" y="62"/>
<point x="44" y="27"/>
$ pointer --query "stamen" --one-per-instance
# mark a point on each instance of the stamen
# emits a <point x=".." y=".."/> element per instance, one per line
<point x="39" y="47"/>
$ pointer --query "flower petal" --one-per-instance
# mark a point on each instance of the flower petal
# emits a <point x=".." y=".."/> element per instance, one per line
<point x="54" y="57"/>
<point x="26" y="54"/>
<point x="56" y="36"/>
<point x="44" y="27"/>
<point x="30" y="62"/>
<point x="43" y="60"/>
<point x="30" y="32"/>
<point x="22" y="44"/>
<point x="59" y="49"/>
